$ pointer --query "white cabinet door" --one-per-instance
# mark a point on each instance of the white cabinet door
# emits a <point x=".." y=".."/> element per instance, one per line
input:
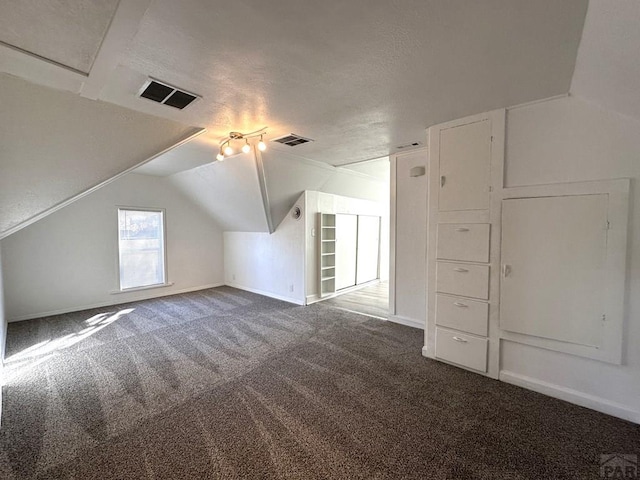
<point x="346" y="249"/>
<point x="465" y="167"/>
<point x="554" y="257"/>
<point x="368" y="248"/>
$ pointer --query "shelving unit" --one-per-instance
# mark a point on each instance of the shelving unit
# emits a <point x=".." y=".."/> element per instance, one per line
<point x="463" y="255"/>
<point x="327" y="249"/>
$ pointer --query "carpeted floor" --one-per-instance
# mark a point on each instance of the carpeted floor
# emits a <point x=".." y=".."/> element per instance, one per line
<point x="227" y="384"/>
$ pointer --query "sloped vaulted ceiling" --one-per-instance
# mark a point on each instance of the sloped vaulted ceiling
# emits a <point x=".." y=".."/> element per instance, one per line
<point x="359" y="78"/>
<point x="55" y="145"/>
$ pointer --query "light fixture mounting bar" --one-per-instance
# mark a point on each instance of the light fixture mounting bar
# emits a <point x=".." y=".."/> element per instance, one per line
<point x="225" y="143"/>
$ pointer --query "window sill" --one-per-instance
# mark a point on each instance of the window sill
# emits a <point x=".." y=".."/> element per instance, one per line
<point x="138" y="289"/>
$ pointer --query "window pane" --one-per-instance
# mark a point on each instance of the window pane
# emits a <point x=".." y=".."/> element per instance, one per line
<point x="141" y="246"/>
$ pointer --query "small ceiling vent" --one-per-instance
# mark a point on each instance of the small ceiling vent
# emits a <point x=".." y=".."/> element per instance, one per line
<point x="408" y="145"/>
<point x="166" y="94"/>
<point x="292" y="140"/>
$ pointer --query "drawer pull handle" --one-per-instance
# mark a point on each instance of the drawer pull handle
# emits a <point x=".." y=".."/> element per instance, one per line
<point x="460" y="269"/>
<point x="443" y="180"/>
<point x="461" y="340"/>
<point x="461" y="305"/>
<point x="462" y="229"/>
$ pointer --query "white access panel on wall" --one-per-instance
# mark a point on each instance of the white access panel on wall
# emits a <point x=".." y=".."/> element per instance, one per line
<point x="346" y="250"/>
<point x="465" y="167"/>
<point x="554" y="252"/>
<point x="368" y="248"/>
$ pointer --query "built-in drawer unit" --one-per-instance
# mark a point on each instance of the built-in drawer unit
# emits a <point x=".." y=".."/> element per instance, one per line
<point x="463" y="279"/>
<point x="462" y="314"/>
<point x="462" y="349"/>
<point x="467" y="242"/>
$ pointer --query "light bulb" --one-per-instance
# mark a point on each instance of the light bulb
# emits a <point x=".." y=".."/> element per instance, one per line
<point x="262" y="146"/>
<point x="246" y="148"/>
<point x="228" y="150"/>
<point x="220" y="157"/>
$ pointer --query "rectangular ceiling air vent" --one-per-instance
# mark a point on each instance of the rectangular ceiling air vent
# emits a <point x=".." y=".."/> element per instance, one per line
<point x="408" y="145"/>
<point x="166" y="94"/>
<point x="292" y="140"/>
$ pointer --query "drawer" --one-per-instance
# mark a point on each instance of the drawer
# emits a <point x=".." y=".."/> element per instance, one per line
<point x="462" y="349"/>
<point x="467" y="242"/>
<point x="463" y="279"/>
<point x="462" y="314"/>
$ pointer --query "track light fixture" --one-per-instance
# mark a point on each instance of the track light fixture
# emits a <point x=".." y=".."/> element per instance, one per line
<point x="261" y="145"/>
<point x="227" y="150"/>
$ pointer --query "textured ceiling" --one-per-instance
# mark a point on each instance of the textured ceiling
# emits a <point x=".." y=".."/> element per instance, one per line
<point x="55" y="145"/>
<point x="68" y="32"/>
<point x="357" y="79"/>
<point x="608" y="65"/>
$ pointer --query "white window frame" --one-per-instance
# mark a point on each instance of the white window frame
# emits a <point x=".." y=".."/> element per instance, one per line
<point x="165" y="282"/>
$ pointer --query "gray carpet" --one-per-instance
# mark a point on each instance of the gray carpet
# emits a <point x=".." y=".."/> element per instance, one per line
<point x="227" y="384"/>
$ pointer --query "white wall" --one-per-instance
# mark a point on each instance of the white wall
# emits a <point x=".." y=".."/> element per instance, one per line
<point x="289" y="175"/>
<point x="329" y="203"/>
<point x="269" y="264"/>
<point x="55" y="145"/>
<point x="409" y="282"/>
<point x="570" y="140"/>
<point x="228" y="191"/>
<point x="68" y="260"/>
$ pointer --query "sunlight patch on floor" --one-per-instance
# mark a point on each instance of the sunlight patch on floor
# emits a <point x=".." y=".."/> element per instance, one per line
<point x="16" y="366"/>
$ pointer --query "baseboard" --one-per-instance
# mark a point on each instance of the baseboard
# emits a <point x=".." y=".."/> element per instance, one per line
<point x="424" y="352"/>
<point x="409" y="322"/>
<point x="309" y="299"/>
<point x="141" y="295"/>
<point x="572" y="396"/>
<point x="296" y="301"/>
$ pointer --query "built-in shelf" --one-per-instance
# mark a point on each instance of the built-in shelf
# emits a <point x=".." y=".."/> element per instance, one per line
<point x="327" y="253"/>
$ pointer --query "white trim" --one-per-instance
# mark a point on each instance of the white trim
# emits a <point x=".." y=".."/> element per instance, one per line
<point x="264" y="192"/>
<point x="595" y="187"/>
<point x="573" y="396"/>
<point x="393" y="230"/>
<point x="409" y="322"/>
<point x="136" y="298"/>
<point x="146" y="287"/>
<point x="266" y="294"/>
<point x="40" y="70"/>
<point x="194" y="132"/>
<point x="535" y="102"/>
<point x="424" y="352"/>
<point x="311" y="299"/>
<point x="125" y="23"/>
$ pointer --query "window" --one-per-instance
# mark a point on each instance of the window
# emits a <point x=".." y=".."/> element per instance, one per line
<point x="141" y="248"/>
